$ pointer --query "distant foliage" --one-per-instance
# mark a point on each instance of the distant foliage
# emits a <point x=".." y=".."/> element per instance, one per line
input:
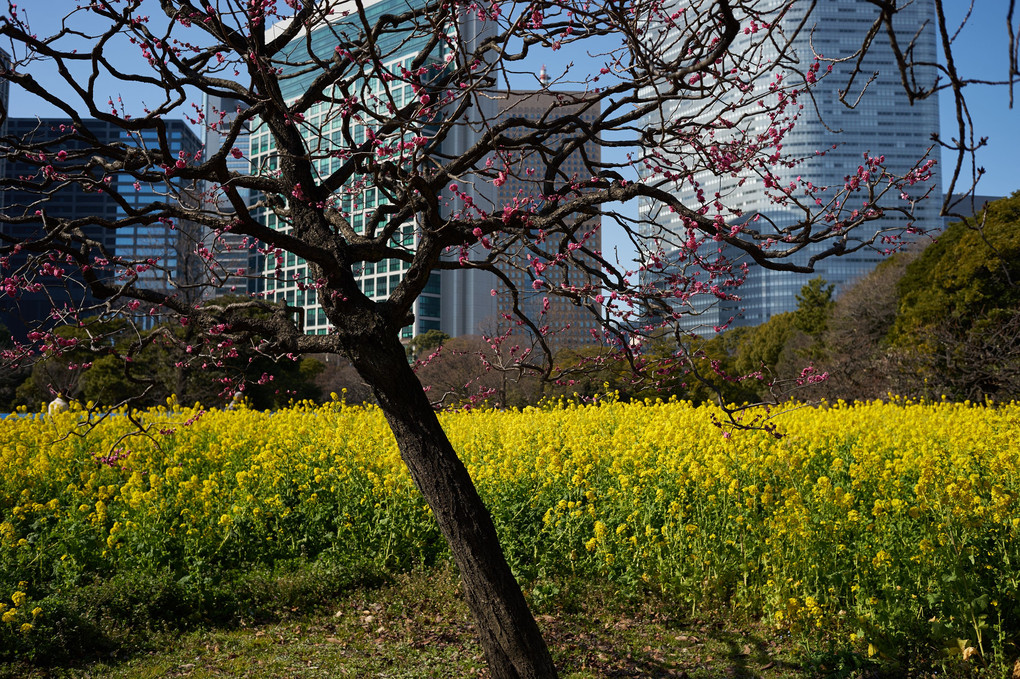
<point x="942" y="321"/>
<point x="972" y="270"/>
<point x="95" y="370"/>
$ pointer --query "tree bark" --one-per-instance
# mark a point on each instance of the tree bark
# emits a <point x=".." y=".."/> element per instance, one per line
<point x="513" y="646"/>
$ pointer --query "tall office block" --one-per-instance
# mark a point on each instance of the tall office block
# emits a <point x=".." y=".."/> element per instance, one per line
<point x="167" y="257"/>
<point x="469" y="305"/>
<point x="323" y="126"/>
<point x="33" y="308"/>
<point x="237" y="265"/>
<point x="5" y="102"/>
<point x="884" y="122"/>
<point x="455" y="301"/>
<point x="178" y="265"/>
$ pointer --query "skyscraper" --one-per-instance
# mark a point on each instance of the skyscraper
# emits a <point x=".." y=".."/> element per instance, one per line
<point x="236" y="266"/>
<point x="174" y="251"/>
<point x="5" y="98"/>
<point x="831" y="139"/>
<point x="457" y="301"/>
<point x="34" y="307"/>
<point x="160" y="258"/>
<point x="323" y="126"/>
<point x="568" y="325"/>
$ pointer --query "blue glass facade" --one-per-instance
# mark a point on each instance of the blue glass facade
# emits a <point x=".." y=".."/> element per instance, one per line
<point x="167" y="256"/>
<point x="323" y="126"/>
<point x="884" y="123"/>
<point x="171" y="250"/>
<point x="34" y="309"/>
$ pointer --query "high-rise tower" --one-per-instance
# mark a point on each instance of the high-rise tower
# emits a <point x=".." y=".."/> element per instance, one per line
<point x="177" y="264"/>
<point x="457" y="300"/>
<point x="829" y="139"/>
<point x="324" y="127"/>
<point x="567" y="325"/>
<point x="235" y="268"/>
<point x="159" y="258"/>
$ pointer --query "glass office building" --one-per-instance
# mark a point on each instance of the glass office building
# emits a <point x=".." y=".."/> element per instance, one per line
<point x="236" y="266"/>
<point x="168" y="257"/>
<point x="570" y="325"/>
<point x="178" y="267"/>
<point x="457" y="301"/>
<point x="883" y="122"/>
<point x="44" y="307"/>
<point x="323" y="126"/>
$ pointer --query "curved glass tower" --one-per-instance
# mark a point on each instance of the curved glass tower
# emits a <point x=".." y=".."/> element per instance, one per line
<point x="830" y="140"/>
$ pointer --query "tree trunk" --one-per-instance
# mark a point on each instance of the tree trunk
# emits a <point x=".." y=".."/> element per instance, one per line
<point x="509" y="635"/>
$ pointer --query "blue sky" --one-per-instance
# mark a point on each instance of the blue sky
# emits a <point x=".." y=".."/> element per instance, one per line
<point x="981" y="52"/>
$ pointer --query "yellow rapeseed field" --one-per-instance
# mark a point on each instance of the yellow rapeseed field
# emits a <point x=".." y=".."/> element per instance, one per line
<point x="875" y="523"/>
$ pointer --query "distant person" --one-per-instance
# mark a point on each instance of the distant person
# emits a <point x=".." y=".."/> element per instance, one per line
<point x="236" y="402"/>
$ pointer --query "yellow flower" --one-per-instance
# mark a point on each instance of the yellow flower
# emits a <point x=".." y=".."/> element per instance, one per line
<point x="882" y="560"/>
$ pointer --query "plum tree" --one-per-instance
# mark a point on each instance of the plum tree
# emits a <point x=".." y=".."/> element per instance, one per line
<point x="381" y="134"/>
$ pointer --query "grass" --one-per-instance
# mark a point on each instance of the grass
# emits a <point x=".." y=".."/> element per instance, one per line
<point x="416" y="625"/>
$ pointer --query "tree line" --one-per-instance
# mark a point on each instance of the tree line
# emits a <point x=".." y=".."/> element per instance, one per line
<point x="940" y="319"/>
<point x="927" y="323"/>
